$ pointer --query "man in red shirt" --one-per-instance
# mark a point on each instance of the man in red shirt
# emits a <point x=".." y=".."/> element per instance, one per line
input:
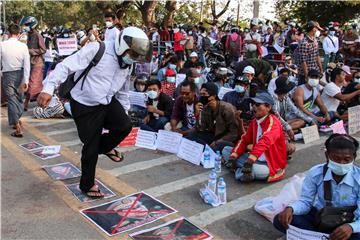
<point x="179" y="43"/>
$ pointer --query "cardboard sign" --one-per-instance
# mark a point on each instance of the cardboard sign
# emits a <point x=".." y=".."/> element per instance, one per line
<point x="130" y="140"/>
<point x="138" y="98"/>
<point x="180" y="77"/>
<point x="168" y="141"/>
<point x="354" y="119"/>
<point x="223" y="91"/>
<point x="66" y="46"/>
<point x="338" y="127"/>
<point x="146" y="139"/>
<point x="190" y="151"/>
<point x="294" y="233"/>
<point x="310" y="134"/>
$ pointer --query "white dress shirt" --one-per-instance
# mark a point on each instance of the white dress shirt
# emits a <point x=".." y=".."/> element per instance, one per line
<point x="328" y="46"/>
<point x="14" y="55"/>
<point x="110" y="33"/>
<point x="103" y="81"/>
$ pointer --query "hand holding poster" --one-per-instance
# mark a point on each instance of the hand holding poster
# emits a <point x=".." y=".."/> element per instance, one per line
<point x="146" y="139"/>
<point x="66" y="46"/>
<point x="168" y="141"/>
<point x="223" y="91"/>
<point x="310" y="134"/>
<point x="137" y="98"/>
<point x="190" y="151"/>
<point x="294" y="233"/>
<point x="354" y="119"/>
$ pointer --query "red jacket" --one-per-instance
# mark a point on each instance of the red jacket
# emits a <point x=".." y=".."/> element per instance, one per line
<point x="272" y="143"/>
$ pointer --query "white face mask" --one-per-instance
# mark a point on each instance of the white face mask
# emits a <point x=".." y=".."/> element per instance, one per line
<point x="108" y="24"/>
<point x="317" y="33"/>
<point x="171" y="79"/>
<point x="92" y="37"/>
<point x="332" y="33"/>
<point x="127" y="59"/>
<point x="66" y="35"/>
<point x="26" y="28"/>
<point x="197" y="80"/>
<point x="313" y="82"/>
<point x="357" y="79"/>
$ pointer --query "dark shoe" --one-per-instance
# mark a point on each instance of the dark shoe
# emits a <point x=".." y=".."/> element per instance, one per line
<point x="94" y="194"/>
<point x="17" y="135"/>
<point x="115" y="155"/>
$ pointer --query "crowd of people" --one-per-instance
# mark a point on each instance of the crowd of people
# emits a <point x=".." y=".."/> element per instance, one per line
<point x="278" y="77"/>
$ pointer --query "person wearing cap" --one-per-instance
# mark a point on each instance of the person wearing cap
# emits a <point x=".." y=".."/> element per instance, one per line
<point x="170" y="64"/>
<point x="307" y="98"/>
<point x="308" y="52"/>
<point x="221" y="78"/>
<point x="291" y="66"/>
<point x="215" y="120"/>
<point x="292" y="119"/>
<point x="283" y="72"/>
<point x="168" y="86"/>
<point x="331" y="47"/>
<point x="265" y="139"/>
<point x="332" y="95"/>
<point x="252" y="41"/>
<point x="192" y="61"/>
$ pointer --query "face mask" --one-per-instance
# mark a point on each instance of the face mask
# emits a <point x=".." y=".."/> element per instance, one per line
<point x="172" y="66"/>
<point x="332" y="33"/>
<point x="204" y="100"/>
<point x="66" y="35"/>
<point x="198" y="71"/>
<point x="171" y="79"/>
<point x="239" y="89"/>
<point x="127" y="60"/>
<point x="340" y="169"/>
<point x="152" y="94"/>
<point x="357" y="79"/>
<point x="317" y="33"/>
<point x="108" y="24"/>
<point x="313" y="82"/>
<point x="197" y="80"/>
<point x="92" y="37"/>
<point x="26" y="29"/>
<point x="190" y="33"/>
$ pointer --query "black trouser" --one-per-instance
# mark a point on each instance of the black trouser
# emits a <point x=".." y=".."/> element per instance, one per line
<point x="90" y="120"/>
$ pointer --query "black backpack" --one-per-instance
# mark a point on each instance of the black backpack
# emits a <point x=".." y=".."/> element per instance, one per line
<point x="65" y="87"/>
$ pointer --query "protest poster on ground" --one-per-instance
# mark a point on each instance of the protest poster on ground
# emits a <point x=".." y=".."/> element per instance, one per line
<point x="180" y="77"/>
<point x="75" y="190"/>
<point x="190" y="151"/>
<point x="354" y="119"/>
<point x="138" y="98"/>
<point x="338" y="127"/>
<point x="66" y="46"/>
<point x="310" y="134"/>
<point x="168" y="141"/>
<point x="223" y="91"/>
<point x="54" y="149"/>
<point x="211" y="164"/>
<point x="62" y="171"/>
<point x="180" y="228"/>
<point x="130" y="140"/>
<point x="294" y="233"/>
<point x="146" y="139"/>
<point x="127" y="213"/>
<point x="31" y="146"/>
<point x="44" y="156"/>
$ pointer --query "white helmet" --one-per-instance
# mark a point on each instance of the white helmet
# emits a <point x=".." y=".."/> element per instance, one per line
<point x="135" y="40"/>
<point x="249" y="69"/>
<point x="81" y="36"/>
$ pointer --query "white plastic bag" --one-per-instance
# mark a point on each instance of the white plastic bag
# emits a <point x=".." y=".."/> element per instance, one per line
<point x="270" y="206"/>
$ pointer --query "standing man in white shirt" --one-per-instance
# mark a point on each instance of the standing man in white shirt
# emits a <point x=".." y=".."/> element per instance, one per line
<point x="330" y="46"/>
<point x="252" y="40"/>
<point x="100" y="100"/>
<point x="111" y="29"/>
<point x="15" y="62"/>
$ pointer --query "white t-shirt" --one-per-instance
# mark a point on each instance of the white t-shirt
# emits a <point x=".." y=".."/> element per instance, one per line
<point x="330" y="90"/>
<point x="272" y="86"/>
<point x="110" y="34"/>
<point x="254" y="36"/>
<point x="190" y="116"/>
<point x="155" y="37"/>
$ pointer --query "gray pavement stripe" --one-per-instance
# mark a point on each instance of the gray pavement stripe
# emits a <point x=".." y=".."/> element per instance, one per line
<point x="180" y="184"/>
<point x="71" y="142"/>
<point x="143" y="165"/>
<point x="63" y="131"/>
<point x="47" y="122"/>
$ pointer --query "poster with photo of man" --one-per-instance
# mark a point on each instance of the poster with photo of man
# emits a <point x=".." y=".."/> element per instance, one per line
<point x="62" y="171"/>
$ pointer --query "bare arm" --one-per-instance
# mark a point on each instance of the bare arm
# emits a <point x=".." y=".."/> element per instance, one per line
<point x="346" y="97"/>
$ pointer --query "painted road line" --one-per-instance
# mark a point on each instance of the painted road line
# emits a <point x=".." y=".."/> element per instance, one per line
<point x="180" y="184"/>
<point x="63" y="131"/>
<point x="71" y="143"/>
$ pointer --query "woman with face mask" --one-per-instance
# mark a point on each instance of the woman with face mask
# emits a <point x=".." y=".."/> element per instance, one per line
<point x="337" y="178"/>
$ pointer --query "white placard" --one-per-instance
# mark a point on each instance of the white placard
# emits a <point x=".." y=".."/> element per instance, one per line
<point x="278" y="48"/>
<point x="138" y="98"/>
<point x="294" y="233"/>
<point x="310" y="134"/>
<point x="66" y="46"/>
<point x="212" y="157"/>
<point x="190" y="151"/>
<point x="338" y="127"/>
<point x="265" y="51"/>
<point x="180" y="77"/>
<point x="168" y="141"/>
<point x="354" y="119"/>
<point x="223" y="91"/>
<point x="146" y="139"/>
<point x="55" y="149"/>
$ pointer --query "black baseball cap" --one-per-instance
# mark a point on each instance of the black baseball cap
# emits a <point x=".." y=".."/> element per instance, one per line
<point x="211" y="88"/>
<point x="283" y="85"/>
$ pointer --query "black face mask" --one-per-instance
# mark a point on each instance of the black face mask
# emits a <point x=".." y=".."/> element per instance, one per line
<point x="204" y="100"/>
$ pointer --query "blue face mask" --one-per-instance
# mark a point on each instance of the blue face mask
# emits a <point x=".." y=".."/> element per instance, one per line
<point x="197" y="80"/>
<point x="340" y="169"/>
<point x="239" y="89"/>
<point x="357" y="80"/>
<point x="127" y="60"/>
<point x="172" y="66"/>
<point x="152" y="94"/>
<point x="171" y="79"/>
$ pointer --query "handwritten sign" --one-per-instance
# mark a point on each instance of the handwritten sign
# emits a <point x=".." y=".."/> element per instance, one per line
<point x="66" y="46"/>
<point x="137" y="98"/>
<point x="310" y="134"/>
<point x="338" y="127"/>
<point x="354" y="119"/>
<point x="130" y="139"/>
<point x="51" y="149"/>
<point x="168" y="141"/>
<point x="294" y="233"/>
<point x="190" y="151"/>
<point x="223" y="91"/>
<point x="180" y="77"/>
<point x="146" y="139"/>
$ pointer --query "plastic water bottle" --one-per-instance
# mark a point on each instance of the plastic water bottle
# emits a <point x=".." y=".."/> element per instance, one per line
<point x="218" y="162"/>
<point x="206" y="157"/>
<point x="221" y="191"/>
<point x="212" y="181"/>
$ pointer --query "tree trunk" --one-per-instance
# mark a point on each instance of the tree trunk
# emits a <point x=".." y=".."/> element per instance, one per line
<point x="216" y="16"/>
<point x="147" y="9"/>
<point x="170" y="6"/>
<point x="121" y="10"/>
<point x="256" y="8"/>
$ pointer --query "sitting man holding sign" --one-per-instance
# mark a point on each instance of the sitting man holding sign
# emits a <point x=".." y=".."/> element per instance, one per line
<point x="330" y="194"/>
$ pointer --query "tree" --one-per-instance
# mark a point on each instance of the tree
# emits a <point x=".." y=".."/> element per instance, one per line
<point x="170" y="7"/>
<point x="216" y="16"/>
<point x="321" y="11"/>
<point x="119" y="8"/>
<point x="147" y="9"/>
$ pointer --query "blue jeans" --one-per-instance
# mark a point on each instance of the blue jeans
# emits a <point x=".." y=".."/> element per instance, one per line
<point x="155" y="125"/>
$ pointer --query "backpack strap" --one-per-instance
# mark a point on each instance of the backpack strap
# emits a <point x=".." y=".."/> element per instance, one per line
<point x="327" y="188"/>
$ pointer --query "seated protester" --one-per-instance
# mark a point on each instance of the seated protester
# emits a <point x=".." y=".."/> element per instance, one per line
<point x="215" y="120"/>
<point x="183" y="114"/>
<point x="171" y="64"/>
<point x="307" y="99"/>
<point x="169" y="84"/>
<point x="292" y="67"/>
<point x="159" y="107"/>
<point x="192" y="62"/>
<point x="192" y="76"/>
<point x="292" y="119"/>
<point x="55" y="109"/>
<point x="261" y="152"/>
<point x="338" y="177"/>
<point x="221" y="78"/>
<point x="283" y="72"/>
<point x="353" y="86"/>
<point x="203" y="72"/>
<point x="332" y="95"/>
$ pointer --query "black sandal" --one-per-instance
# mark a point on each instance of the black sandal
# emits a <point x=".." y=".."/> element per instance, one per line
<point x="116" y="154"/>
<point x="17" y="135"/>
<point x="89" y="194"/>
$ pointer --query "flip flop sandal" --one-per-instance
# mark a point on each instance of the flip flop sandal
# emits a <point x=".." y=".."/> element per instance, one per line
<point x="93" y="196"/>
<point x="17" y="135"/>
<point x="116" y="154"/>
